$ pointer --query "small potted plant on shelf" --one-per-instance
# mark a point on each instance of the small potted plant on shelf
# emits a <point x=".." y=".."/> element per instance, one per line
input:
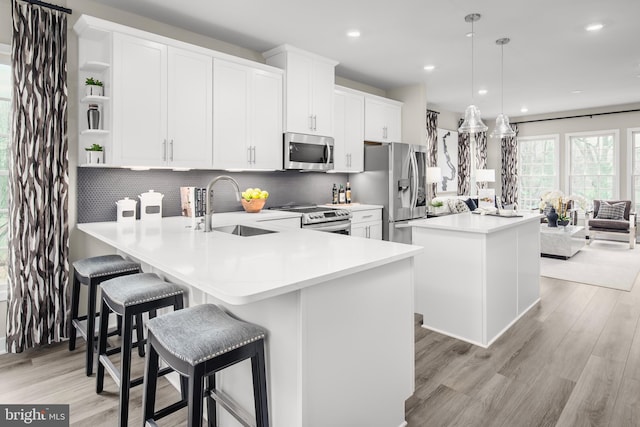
<point x="93" y="87"/>
<point x="95" y="154"/>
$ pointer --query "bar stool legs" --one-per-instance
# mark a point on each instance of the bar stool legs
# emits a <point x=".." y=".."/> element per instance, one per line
<point x="198" y="342"/>
<point x="92" y="272"/>
<point x="129" y="297"/>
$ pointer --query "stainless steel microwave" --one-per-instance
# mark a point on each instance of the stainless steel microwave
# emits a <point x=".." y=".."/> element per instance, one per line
<point x="308" y="152"/>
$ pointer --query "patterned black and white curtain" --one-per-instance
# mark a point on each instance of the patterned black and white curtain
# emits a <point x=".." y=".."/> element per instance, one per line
<point x="38" y="266"/>
<point x="510" y="168"/>
<point x="432" y="142"/>
<point x="481" y="150"/>
<point x="464" y="162"/>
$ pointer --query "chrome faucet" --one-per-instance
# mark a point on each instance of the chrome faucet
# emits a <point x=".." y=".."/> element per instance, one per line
<point x="208" y="211"/>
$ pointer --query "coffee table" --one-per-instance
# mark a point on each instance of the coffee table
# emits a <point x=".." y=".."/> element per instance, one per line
<point x="560" y="242"/>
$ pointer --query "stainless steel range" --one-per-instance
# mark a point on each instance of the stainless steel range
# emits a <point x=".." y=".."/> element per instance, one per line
<point x="322" y="219"/>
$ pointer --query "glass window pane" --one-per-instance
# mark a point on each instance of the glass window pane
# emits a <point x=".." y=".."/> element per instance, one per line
<point x="4" y="192"/>
<point x="4" y="153"/>
<point x="4" y="117"/>
<point x="5" y="81"/>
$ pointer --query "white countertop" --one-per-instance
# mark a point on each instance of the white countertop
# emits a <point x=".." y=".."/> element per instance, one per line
<point x="240" y="270"/>
<point x="352" y="206"/>
<point x="474" y="223"/>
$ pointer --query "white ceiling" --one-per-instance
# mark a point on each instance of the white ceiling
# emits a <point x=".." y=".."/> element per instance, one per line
<point x="549" y="56"/>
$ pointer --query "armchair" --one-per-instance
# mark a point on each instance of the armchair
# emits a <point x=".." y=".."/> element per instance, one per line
<point x="606" y="223"/>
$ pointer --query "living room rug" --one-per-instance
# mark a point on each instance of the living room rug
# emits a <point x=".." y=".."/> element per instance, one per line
<point x="603" y="263"/>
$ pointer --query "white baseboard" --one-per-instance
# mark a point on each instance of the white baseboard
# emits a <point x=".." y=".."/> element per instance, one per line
<point x="3" y="345"/>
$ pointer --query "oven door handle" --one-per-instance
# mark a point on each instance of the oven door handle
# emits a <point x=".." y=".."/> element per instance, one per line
<point x="322" y="227"/>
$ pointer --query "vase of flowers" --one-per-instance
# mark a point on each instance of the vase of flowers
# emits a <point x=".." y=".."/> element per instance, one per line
<point x="562" y="205"/>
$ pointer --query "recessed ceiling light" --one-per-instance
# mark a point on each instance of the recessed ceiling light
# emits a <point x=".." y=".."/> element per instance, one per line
<point x="482" y="92"/>
<point x="353" y="33"/>
<point x="524" y="110"/>
<point x="429" y="67"/>
<point x="594" y="27"/>
<point x="576" y="91"/>
<point x="469" y="34"/>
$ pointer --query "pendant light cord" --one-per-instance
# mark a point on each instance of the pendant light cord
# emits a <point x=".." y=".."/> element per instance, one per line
<point x="473" y="36"/>
<point x="502" y="79"/>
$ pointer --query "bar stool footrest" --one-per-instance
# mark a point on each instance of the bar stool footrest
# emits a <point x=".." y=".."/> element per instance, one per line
<point x="225" y="401"/>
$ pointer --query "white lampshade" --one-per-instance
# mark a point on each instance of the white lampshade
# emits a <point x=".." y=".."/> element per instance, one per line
<point x="486" y="175"/>
<point x="434" y="174"/>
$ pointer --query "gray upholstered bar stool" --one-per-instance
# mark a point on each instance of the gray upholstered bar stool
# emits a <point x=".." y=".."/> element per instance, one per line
<point x="91" y="272"/>
<point x="129" y="297"/>
<point x="197" y="342"/>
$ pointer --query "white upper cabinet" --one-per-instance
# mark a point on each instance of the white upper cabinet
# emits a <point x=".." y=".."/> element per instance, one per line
<point x="383" y="119"/>
<point x="190" y="109"/>
<point x="139" y="101"/>
<point x="309" y="85"/>
<point x="348" y="151"/>
<point x="162" y="105"/>
<point x="247" y="117"/>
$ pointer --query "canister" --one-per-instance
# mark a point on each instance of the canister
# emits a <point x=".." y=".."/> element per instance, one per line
<point x="151" y="205"/>
<point x="126" y="210"/>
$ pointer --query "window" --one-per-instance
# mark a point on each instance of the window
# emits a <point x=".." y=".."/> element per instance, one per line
<point x="634" y="145"/>
<point x="593" y="159"/>
<point x="538" y="164"/>
<point x="5" y="121"/>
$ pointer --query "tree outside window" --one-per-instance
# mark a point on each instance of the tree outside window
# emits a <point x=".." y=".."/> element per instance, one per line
<point x="538" y="164"/>
<point x="593" y="165"/>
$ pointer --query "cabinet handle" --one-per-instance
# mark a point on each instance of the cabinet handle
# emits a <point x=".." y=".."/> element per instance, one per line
<point x="384" y="132"/>
<point x="311" y="122"/>
<point x="315" y="122"/>
<point x="164" y="150"/>
<point x="253" y="151"/>
<point x="367" y="216"/>
<point x="249" y="155"/>
<point x="171" y="150"/>
<point x="368" y="231"/>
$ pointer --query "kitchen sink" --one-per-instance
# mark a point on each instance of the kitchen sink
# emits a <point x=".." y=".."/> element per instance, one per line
<point x="243" y="230"/>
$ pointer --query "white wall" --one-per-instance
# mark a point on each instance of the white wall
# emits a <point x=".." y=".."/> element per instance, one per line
<point x="414" y="112"/>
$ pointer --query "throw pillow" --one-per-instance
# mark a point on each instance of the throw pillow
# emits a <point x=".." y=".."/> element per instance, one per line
<point x="471" y="204"/>
<point x="457" y="206"/>
<point x="614" y="211"/>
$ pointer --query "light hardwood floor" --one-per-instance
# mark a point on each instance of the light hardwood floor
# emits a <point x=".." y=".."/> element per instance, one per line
<point x="573" y="360"/>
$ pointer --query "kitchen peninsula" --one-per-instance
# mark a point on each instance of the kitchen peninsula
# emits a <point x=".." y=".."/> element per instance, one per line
<point x="478" y="274"/>
<point x="338" y="310"/>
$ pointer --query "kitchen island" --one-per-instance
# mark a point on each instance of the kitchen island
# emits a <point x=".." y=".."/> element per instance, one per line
<point x="338" y="310"/>
<point x="478" y="274"/>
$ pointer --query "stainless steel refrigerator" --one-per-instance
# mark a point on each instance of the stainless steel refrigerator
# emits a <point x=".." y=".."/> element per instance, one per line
<point x="394" y="176"/>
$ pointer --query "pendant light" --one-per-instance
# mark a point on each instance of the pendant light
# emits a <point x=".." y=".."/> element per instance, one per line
<point x="502" y="129"/>
<point x="472" y="120"/>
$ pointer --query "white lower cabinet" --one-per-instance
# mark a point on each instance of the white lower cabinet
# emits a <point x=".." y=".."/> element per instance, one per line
<point x="367" y="223"/>
<point x="247" y="117"/>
